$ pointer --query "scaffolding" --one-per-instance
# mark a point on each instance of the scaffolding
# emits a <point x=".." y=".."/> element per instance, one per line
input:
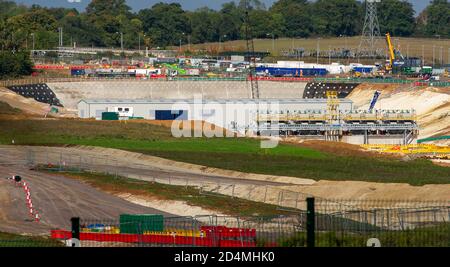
<point x="333" y="116"/>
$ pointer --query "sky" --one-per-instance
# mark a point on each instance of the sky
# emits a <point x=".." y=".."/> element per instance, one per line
<point x="419" y="5"/>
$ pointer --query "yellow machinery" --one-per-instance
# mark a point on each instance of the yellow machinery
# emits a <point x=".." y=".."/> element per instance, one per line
<point x="411" y="149"/>
<point x="295" y="116"/>
<point x="391" y="52"/>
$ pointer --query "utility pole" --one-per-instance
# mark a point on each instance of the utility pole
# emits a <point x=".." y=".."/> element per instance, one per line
<point x="434" y="54"/>
<point x="423" y="55"/>
<point x="61" y="43"/>
<point x="189" y="42"/>
<point x="33" y="40"/>
<point x="329" y="54"/>
<point x="251" y="53"/>
<point x="407" y="51"/>
<point x="318" y="49"/>
<point x="121" y="41"/>
<point x="371" y="30"/>
<point x="448" y="54"/>
<point x="273" y="43"/>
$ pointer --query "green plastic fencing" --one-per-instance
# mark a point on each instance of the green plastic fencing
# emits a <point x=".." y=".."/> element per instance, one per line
<point x="240" y="79"/>
<point x="362" y="80"/>
<point x="432" y="139"/>
<point x="389" y="81"/>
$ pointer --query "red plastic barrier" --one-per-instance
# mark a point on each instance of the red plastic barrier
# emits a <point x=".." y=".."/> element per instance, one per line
<point x="153" y="239"/>
<point x="158" y="76"/>
<point x="49" y="67"/>
<point x="80" y="67"/>
<point x="60" y="234"/>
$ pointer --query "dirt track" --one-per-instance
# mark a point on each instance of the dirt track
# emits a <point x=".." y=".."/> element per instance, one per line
<point x="57" y="199"/>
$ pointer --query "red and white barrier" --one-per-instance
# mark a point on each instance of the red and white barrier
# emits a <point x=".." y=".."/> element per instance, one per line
<point x="32" y="210"/>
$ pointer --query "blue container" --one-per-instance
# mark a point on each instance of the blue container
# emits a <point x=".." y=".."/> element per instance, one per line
<point x="77" y="72"/>
<point x="363" y="69"/>
<point x="170" y="115"/>
<point x="292" y="72"/>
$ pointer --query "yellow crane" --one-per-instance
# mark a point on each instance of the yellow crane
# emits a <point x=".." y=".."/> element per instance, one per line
<point x="391" y="52"/>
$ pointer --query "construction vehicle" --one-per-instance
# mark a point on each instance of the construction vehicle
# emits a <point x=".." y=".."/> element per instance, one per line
<point x="395" y="57"/>
<point x="174" y="70"/>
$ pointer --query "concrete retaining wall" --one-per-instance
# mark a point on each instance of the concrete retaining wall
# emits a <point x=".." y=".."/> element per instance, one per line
<point x="71" y="93"/>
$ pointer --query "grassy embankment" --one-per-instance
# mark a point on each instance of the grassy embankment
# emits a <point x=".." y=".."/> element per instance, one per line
<point x="433" y="236"/>
<point x="190" y="195"/>
<point x="239" y="154"/>
<point x="310" y="44"/>
<point x="6" y="109"/>
<point x="14" y="240"/>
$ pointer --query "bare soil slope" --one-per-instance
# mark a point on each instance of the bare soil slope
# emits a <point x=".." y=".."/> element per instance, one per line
<point x="431" y="104"/>
<point x="28" y="106"/>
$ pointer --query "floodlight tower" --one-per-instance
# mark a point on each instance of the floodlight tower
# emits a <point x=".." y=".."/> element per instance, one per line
<point x="371" y="30"/>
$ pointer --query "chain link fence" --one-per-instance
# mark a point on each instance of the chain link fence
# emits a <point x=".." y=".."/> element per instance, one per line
<point x="330" y="223"/>
<point x="67" y="161"/>
<point x="336" y="223"/>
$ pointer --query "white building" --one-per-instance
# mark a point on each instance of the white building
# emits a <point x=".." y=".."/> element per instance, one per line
<point x="230" y="114"/>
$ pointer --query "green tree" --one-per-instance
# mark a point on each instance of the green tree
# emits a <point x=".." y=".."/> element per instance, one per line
<point x="15" y="64"/>
<point x="435" y="19"/>
<point x="166" y="24"/>
<point x="99" y="8"/>
<point x="80" y="30"/>
<point x="337" y="17"/>
<point x="231" y="18"/>
<point x="11" y="9"/>
<point x="204" y="25"/>
<point x="397" y="17"/>
<point x="297" y="17"/>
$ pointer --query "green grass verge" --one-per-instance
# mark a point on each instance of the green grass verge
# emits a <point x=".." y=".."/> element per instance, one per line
<point x="433" y="236"/>
<point x="14" y="240"/>
<point x="239" y="154"/>
<point x="190" y="195"/>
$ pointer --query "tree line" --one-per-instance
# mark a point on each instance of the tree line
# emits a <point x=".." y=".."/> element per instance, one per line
<point x="166" y="24"/>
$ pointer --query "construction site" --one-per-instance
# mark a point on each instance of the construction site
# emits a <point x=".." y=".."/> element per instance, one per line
<point x="369" y="143"/>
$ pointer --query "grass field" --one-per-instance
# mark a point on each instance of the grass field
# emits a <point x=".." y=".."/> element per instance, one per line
<point x="411" y="47"/>
<point x="238" y="154"/>
<point x="190" y="195"/>
<point x="433" y="236"/>
<point x="14" y="240"/>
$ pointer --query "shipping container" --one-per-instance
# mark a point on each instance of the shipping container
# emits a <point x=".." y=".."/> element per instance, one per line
<point x="77" y="72"/>
<point x="138" y="224"/>
<point x="110" y="116"/>
<point x="168" y="115"/>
